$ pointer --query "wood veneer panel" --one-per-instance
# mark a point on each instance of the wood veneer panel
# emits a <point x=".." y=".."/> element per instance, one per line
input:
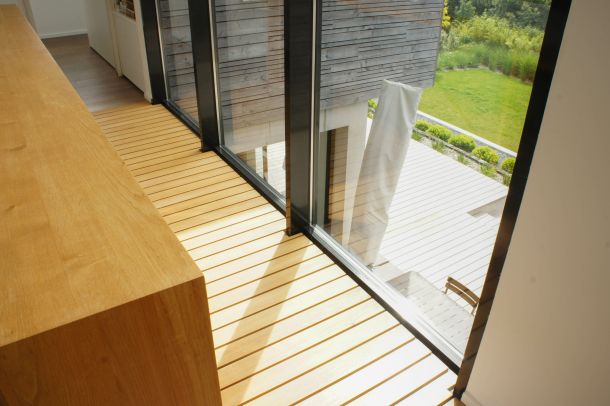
<point x="149" y="351"/>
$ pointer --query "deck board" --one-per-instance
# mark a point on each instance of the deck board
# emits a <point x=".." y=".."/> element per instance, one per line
<point x="288" y="324"/>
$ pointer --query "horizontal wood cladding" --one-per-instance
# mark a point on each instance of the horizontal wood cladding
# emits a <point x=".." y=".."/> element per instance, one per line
<point x="250" y="52"/>
<point x="177" y="48"/>
<point x="364" y="42"/>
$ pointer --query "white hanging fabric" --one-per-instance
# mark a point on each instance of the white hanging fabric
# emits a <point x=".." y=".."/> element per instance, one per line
<point x="383" y="160"/>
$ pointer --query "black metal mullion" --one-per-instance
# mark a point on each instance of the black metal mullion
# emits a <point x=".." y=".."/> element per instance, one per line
<point x="202" y="40"/>
<point x="298" y="46"/>
<point x="153" y="50"/>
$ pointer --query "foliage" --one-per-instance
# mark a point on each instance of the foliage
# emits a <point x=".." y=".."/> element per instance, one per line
<point x="450" y="41"/>
<point x="486" y="154"/>
<point x="511" y="63"/>
<point x="462" y="159"/>
<point x="439" y="146"/>
<point x="488" y="104"/>
<point x="463" y="142"/>
<point x="521" y="13"/>
<point x="440" y="132"/>
<point x="465" y="10"/>
<point x="372" y="108"/>
<point x="489" y="171"/>
<point x="508" y="165"/>
<point x="495" y="31"/>
<point x="506" y="180"/>
<point x="446" y="22"/>
<point x="532" y="13"/>
<point x="416" y="136"/>
<point x="422" y="125"/>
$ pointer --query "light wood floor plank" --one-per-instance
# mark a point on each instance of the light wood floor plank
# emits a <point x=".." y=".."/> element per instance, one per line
<point x="297" y="343"/>
<point x="288" y="324"/>
<point x="283" y="329"/>
<point x="304" y="362"/>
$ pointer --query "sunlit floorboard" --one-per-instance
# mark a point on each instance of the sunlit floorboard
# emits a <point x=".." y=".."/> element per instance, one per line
<point x="289" y="325"/>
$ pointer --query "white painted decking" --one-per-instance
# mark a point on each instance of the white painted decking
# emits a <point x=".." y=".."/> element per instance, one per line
<point x="431" y="230"/>
<point x="443" y="221"/>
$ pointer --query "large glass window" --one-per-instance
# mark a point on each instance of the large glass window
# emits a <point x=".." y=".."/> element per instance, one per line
<point x="422" y="105"/>
<point x="178" y="56"/>
<point x="250" y="63"/>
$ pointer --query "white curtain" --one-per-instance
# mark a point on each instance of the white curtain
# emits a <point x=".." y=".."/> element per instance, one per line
<point x="383" y="160"/>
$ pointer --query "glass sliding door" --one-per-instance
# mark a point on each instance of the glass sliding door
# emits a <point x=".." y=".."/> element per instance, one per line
<point x="250" y="74"/>
<point x="421" y="109"/>
<point x="176" y="46"/>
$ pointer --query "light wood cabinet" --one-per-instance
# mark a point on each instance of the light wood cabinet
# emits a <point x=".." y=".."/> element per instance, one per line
<point x="100" y="303"/>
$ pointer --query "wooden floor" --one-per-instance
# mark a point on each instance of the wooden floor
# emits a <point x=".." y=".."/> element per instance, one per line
<point x="289" y="326"/>
<point x="94" y="79"/>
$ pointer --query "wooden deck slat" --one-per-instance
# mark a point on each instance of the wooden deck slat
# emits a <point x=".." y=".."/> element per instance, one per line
<point x="339" y="368"/>
<point x="233" y="229"/>
<point x="288" y="324"/>
<point x="295" y="344"/>
<point x="236" y="241"/>
<point x="280" y="374"/>
<point x="188" y="184"/>
<point x="285" y="278"/>
<point x="254" y="274"/>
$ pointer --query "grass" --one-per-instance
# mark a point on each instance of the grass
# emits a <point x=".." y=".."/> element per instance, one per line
<point x="487" y="103"/>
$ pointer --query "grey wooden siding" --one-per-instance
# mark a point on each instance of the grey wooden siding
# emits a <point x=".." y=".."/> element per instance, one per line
<point x="177" y="49"/>
<point x="250" y="39"/>
<point x="364" y="42"/>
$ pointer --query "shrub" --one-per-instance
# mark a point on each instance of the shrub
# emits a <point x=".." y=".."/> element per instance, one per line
<point x="486" y="154"/>
<point x="463" y="142"/>
<point x="422" y="125"/>
<point x="440" y="132"/>
<point x="506" y="180"/>
<point x="508" y="165"/>
<point x="416" y="136"/>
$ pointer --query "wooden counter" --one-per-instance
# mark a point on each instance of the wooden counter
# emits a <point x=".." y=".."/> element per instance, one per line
<point x="99" y="302"/>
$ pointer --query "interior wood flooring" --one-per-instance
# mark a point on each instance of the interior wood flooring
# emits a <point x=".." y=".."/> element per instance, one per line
<point x="95" y="80"/>
<point x="289" y="325"/>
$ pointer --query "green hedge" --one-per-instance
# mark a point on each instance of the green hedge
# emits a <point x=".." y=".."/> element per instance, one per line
<point x="463" y="142"/>
<point x="440" y="132"/>
<point x="508" y="165"/>
<point x="422" y="125"/>
<point x="486" y="154"/>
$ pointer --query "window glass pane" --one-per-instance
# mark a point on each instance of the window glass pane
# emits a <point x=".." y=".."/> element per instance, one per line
<point x="422" y="105"/>
<point x="178" y="56"/>
<point x="250" y="53"/>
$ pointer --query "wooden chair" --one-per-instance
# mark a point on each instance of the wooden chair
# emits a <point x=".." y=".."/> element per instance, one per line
<point x="463" y="292"/>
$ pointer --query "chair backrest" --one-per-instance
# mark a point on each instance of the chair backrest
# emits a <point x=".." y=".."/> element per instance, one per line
<point x="463" y="292"/>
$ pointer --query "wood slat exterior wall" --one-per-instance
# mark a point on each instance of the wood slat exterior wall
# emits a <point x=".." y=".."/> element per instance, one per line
<point x="177" y="48"/>
<point x="250" y="41"/>
<point x="364" y="42"/>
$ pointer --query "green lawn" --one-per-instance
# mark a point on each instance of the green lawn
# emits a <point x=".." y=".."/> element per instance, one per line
<point x="486" y="103"/>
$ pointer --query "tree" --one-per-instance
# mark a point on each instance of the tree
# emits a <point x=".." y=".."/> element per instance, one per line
<point x="465" y="11"/>
<point x="522" y="13"/>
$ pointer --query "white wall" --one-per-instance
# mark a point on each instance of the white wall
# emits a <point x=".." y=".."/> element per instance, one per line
<point x="57" y="18"/>
<point x="548" y="337"/>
